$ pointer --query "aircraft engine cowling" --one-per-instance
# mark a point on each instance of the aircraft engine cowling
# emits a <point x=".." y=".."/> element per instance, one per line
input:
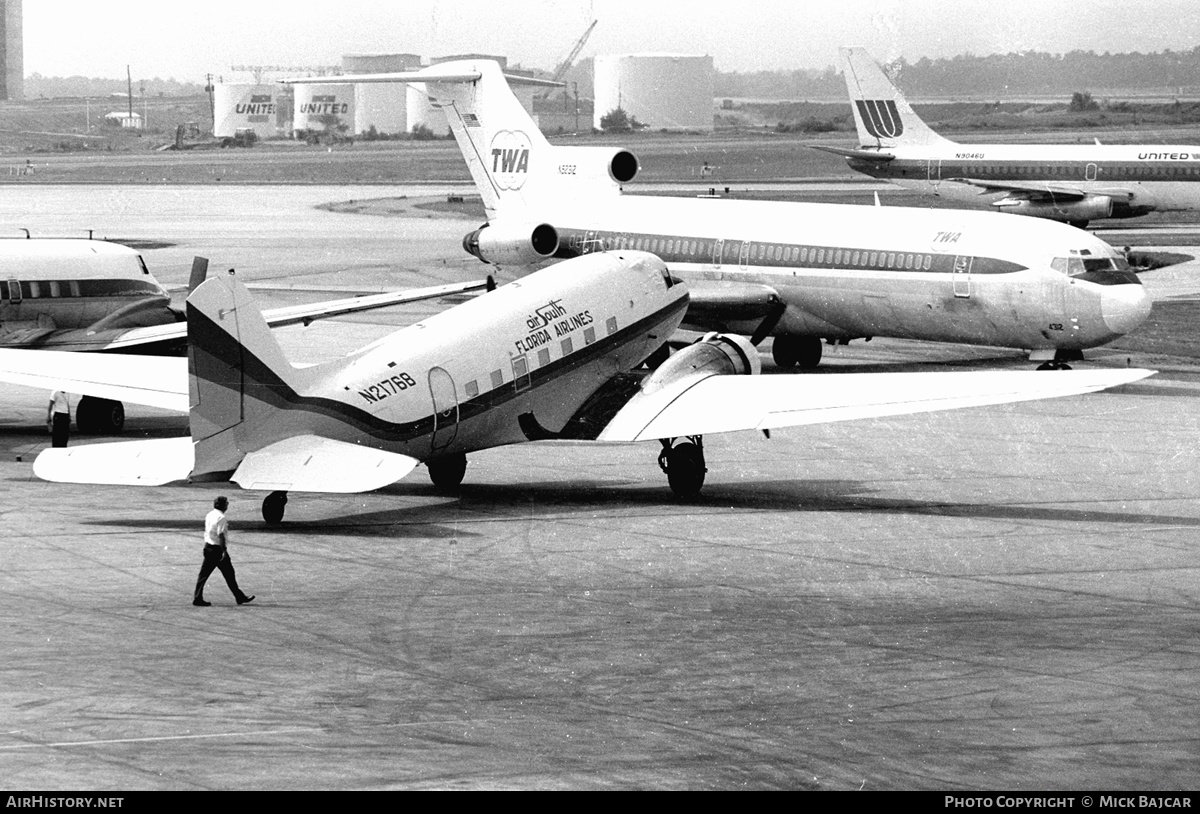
<point x="714" y="354"/>
<point x="602" y="164"/>
<point x="521" y="244"/>
<point x="1096" y="206"/>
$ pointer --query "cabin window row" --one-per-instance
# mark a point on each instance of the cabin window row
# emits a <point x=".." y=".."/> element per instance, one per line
<point x="734" y="251"/>
<point x="51" y="289"/>
<point x="1054" y="171"/>
<point x="567" y="346"/>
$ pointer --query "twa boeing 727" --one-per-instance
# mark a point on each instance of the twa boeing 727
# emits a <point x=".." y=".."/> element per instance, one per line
<point x="802" y="273"/>
<point x="1075" y="183"/>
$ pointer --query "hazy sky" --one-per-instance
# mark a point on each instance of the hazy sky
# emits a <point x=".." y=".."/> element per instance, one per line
<point x="189" y="38"/>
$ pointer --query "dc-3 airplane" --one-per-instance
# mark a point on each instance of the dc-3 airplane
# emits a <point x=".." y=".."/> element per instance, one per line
<point x="550" y="356"/>
<point x="1075" y="183"/>
<point x="90" y="295"/>
<point x="800" y="272"/>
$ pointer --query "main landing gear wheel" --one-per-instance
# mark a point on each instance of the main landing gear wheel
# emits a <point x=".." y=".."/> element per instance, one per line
<point x="447" y="472"/>
<point x="1054" y="365"/>
<point x="96" y="416"/>
<point x="273" y="506"/>
<point x="683" y="463"/>
<point x="796" y="351"/>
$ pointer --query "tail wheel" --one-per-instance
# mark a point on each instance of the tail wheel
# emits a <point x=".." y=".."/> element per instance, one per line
<point x="447" y="472"/>
<point x="684" y="465"/>
<point x="273" y="506"/>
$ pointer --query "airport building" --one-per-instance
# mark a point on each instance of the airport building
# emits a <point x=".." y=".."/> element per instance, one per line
<point x="381" y="107"/>
<point x="662" y="91"/>
<point x="12" y="58"/>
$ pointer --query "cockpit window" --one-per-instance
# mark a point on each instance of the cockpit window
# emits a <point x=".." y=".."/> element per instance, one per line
<point x="1104" y="270"/>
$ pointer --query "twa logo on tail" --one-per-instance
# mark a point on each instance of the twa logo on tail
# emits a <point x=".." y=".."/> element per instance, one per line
<point x="510" y="159"/>
<point x="880" y="117"/>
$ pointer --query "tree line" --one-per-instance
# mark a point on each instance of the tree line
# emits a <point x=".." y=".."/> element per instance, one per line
<point x="1028" y="73"/>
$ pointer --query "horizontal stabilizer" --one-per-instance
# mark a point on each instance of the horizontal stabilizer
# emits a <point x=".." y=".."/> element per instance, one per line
<point x="447" y="73"/>
<point x="702" y="405"/>
<point x="156" y="381"/>
<point x="125" y="463"/>
<point x="310" y="463"/>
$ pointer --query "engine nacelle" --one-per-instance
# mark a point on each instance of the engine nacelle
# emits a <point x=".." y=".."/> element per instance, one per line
<point x="520" y="244"/>
<point x="1096" y="206"/>
<point x="591" y="164"/>
<point x="714" y="354"/>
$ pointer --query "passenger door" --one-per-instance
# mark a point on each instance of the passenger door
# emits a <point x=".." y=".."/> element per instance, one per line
<point x="445" y="408"/>
<point x="961" y="276"/>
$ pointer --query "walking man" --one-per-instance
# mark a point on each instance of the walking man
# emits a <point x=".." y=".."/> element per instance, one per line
<point x="216" y="555"/>
<point x="58" y="418"/>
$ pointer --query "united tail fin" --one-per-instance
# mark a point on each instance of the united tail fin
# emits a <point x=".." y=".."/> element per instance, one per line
<point x="883" y="117"/>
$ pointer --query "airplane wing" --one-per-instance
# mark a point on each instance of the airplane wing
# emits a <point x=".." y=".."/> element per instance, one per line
<point x="1038" y="192"/>
<point x="156" y="381"/>
<point x="863" y="155"/>
<point x="144" y="339"/>
<point x="305" y="314"/>
<point x="697" y="405"/>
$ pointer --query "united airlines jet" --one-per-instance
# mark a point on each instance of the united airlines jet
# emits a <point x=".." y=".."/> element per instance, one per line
<point x="1074" y="183"/>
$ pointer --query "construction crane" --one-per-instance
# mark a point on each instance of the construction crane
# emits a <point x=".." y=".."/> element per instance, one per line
<point x="566" y="64"/>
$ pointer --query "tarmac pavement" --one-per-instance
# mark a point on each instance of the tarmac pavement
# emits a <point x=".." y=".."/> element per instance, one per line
<point x="1001" y="598"/>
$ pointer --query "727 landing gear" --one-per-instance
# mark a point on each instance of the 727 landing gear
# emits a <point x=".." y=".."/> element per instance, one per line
<point x="96" y="416"/>
<point x="796" y="351"/>
<point x="272" y="508"/>
<point x="683" y="462"/>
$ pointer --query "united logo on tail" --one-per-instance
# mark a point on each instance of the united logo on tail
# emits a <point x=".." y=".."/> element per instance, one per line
<point x="880" y="117"/>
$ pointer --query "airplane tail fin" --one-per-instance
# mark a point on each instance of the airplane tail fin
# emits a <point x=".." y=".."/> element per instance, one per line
<point x="510" y="161"/>
<point x="237" y="375"/>
<point x="883" y="117"/>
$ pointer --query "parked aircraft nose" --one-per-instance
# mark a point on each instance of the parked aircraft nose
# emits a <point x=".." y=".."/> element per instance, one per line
<point x="1124" y="307"/>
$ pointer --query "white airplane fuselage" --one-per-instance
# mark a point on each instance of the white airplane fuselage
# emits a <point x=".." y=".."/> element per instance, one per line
<point x="1126" y="180"/>
<point x="854" y="271"/>
<point x="1075" y="183"/>
<point x="458" y="381"/>
<point x="54" y="291"/>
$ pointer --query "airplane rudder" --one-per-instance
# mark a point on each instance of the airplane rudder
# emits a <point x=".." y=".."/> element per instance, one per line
<point x="232" y="355"/>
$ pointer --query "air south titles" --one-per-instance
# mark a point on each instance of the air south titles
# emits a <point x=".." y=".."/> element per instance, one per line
<point x="1081" y="801"/>
<point x="550" y="318"/>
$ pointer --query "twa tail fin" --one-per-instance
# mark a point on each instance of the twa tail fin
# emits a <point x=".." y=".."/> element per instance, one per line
<point x="511" y="162"/>
<point x="238" y="376"/>
<point x="882" y="115"/>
